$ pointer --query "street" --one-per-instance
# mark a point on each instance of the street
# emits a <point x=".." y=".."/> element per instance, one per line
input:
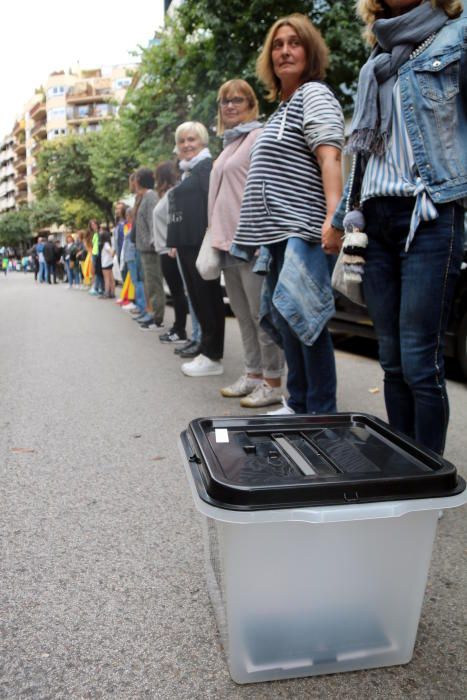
<point x="102" y="590"/>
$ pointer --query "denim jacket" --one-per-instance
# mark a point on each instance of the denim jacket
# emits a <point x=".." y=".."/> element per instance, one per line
<point x="302" y="294"/>
<point x="434" y="102"/>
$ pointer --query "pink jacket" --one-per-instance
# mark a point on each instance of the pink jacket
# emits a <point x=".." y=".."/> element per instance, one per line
<point x="228" y="177"/>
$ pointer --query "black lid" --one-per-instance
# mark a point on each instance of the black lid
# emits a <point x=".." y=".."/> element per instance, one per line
<point x="264" y="462"/>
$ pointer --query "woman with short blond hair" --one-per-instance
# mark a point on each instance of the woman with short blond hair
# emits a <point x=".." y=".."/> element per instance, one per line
<point x="408" y="135"/>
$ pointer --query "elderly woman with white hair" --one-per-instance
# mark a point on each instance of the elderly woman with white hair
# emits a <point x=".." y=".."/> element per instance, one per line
<point x="188" y="220"/>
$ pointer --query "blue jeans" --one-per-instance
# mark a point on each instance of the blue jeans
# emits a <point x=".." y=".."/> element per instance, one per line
<point x="69" y="273"/>
<point x="311" y="378"/>
<point x="136" y="273"/>
<point x="409" y="296"/>
<point x="43" y="272"/>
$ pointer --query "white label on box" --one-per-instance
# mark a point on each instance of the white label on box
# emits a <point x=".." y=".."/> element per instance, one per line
<point x="222" y="435"/>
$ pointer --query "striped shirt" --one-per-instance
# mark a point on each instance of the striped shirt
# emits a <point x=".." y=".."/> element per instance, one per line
<point x="284" y="194"/>
<point x="394" y="174"/>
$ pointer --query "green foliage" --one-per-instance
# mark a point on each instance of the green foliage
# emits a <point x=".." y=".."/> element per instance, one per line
<point x="46" y="212"/>
<point x="15" y="227"/>
<point x="209" y="42"/>
<point x="111" y="159"/>
<point x="65" y="172"/>
<point x="76" y="213"/>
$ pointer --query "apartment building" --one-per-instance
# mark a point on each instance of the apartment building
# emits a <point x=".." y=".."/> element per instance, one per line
<point x="72" y="102"/>
<point x="7" y="174"/>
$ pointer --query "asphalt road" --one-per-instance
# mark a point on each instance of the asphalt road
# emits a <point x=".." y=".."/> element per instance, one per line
<point x="102" y="591"/>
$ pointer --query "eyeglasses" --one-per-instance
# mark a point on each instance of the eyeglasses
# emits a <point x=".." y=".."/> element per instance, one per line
<point x="235" y="101"/>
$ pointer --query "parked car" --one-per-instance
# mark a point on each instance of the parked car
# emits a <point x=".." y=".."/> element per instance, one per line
<point x="351" y="319"/>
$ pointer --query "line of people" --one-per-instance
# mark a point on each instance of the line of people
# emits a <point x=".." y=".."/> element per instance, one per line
<point x="273" y="208"/>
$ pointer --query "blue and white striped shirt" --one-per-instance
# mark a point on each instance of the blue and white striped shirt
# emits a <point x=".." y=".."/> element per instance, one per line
<point x="394" y="174"/>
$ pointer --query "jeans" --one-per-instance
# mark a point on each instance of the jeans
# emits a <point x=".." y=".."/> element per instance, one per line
<point x="69" y="273"/>
<point x="311" y="378"/>
<point x="409" y="296"/>
<point x="43" y="272"/>
<point x="153" y="285"/>
<point x="98" y="276"/>
<point x="136" y="274"/>
<point x="262" y="355"/>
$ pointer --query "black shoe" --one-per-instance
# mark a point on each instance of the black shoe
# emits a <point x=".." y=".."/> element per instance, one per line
<point x="190" y="352"/>
<point x="188" y="344"/>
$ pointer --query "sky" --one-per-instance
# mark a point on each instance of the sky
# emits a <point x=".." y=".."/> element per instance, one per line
<point x="39" y="37"/>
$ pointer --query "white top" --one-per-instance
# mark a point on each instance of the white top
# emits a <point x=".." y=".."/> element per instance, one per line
<point x="107" y="255"/>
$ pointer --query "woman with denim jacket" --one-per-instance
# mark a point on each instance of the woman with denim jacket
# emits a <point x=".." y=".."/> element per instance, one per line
<point x="293" y="186"/>
<point x="408" y="135"/>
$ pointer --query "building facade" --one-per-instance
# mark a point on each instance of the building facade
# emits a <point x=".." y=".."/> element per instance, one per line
<point x="7" y="175"/>
<point x="73" y="102"/>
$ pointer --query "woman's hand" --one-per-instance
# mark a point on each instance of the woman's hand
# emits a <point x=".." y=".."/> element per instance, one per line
<point x="331" y="238"/>
<point x="172" y="253"/>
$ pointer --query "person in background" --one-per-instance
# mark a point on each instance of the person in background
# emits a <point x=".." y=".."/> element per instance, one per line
<point x="132" y="261"/>
<point x="107" y="258"/>
<point x="166" y="178"/>
<point x="264" y="363"/>
<point x="97" y="280"/>
<point x="152" y="271"/>
<point x="407" y="192"/>
<point x="41" y="258"/>
<point x="188" y="219"/>
<point x="293" y="187"/>
<point x="69" y="257"/>
<point x="50" y="256"/>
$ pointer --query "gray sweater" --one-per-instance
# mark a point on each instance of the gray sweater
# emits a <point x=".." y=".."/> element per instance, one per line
<point x="144" y="226"/>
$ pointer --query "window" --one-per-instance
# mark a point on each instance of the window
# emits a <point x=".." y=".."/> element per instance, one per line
<point x="121" y="83"/>
<point x="56" y="91"/>
<point x="102" y="110"/>
<point x="56" y="113"/>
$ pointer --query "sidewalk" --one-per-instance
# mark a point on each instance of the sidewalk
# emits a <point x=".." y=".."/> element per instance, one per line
<point x="101" y="577"/>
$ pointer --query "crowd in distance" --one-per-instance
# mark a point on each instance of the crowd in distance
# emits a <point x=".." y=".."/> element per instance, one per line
<point x="273" y="207"/>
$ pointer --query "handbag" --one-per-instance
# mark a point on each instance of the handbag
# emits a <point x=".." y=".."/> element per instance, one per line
<point x="208" y="262"/>
<point x="348" y="288"/>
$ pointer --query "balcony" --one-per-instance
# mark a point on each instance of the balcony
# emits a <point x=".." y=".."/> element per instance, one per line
<point x="18" y="128"/>
<point x="90" y="113"/>
<point x="22" y="197"/>
<point x="21" y="166"/>
<point x="36" y="148"/>
<point x="20" y="149"/>
<point x="87" y="94"/>
<point x="39" y="131"/>
<point x="21" y="182"/>
<point x="38" y="112"/>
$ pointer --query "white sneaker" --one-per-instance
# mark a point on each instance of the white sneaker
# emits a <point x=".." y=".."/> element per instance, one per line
<point x="129" y="307"/>
<point x="262" y="395"/>
<point x="284" y="410"/>
<point x="202" y="366"/>
<point x="242" y="387"/>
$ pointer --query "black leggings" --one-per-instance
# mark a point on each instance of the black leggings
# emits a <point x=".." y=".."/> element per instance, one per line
<point x="174" y="282"/>
<point x="208" y="304"/>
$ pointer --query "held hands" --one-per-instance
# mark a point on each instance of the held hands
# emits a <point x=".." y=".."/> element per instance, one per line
<point x="331" y="238"/>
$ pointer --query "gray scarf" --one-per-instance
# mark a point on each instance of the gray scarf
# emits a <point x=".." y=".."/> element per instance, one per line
<point x="241" y="129"/>
<point x="397" y="38"/>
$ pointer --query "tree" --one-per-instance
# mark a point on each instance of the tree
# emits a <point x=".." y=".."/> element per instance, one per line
<point x="46" y="212"/>
<point x="208" y="42"/>
<point x="65" y="172"/>
<point x="111" y="159"/>
<point x="15" y="227"/>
